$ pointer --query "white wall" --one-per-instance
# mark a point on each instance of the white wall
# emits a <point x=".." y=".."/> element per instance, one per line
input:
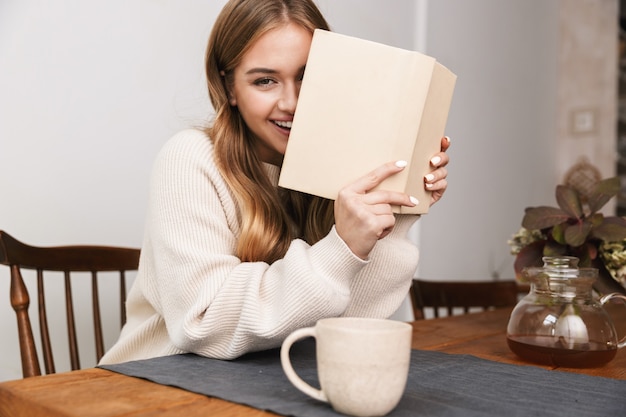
<point x="89" y="92"/>
<point x="502" y="129"/>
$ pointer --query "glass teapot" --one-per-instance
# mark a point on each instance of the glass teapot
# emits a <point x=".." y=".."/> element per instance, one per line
<point x="559" y="322"/>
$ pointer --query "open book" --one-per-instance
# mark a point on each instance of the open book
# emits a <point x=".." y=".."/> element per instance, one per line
<point x="362" y="104"/>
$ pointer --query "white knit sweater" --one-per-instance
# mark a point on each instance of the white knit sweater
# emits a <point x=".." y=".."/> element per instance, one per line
<point x="192" y="294"/>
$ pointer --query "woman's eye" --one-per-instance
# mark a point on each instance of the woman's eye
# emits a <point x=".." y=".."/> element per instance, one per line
<point x="263" y="82"/>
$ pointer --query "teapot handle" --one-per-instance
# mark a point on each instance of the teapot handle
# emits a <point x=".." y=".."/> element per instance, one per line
<point x="606" y="299"/>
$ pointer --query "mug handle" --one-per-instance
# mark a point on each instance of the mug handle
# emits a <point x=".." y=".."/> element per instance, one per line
<point x="607" y="298"/>
<point x="288" y="368"/>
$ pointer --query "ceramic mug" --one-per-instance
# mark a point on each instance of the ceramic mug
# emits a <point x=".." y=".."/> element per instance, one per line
<point x="362" y="363"/>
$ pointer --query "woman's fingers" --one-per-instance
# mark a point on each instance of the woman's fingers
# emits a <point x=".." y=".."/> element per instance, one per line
<point x="445" y="143"/>
<point x="364" y="214"/>
<point x="364" y="186"/>
<point x="375" y="177"/>
<point x="436" y="180"/>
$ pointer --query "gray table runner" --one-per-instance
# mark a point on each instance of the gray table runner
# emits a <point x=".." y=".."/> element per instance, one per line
<point x="439" y="384"/>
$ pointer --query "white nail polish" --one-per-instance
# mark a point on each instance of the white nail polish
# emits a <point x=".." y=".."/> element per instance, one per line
<point x="430" y="177"/>
<point x="447" y="138"/>
<point x="401" y="164"/>
<point x="435" y="161"/>
<point x="414" y="200"/>
<point x="429" y="185"/>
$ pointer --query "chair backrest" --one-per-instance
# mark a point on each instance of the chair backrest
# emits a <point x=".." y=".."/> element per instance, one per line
<point x="67" y="260"/>
<point x="454" y="295"/>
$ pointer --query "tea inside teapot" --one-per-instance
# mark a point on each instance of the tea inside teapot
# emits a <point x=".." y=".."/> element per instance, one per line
<point x="559" y="322"/>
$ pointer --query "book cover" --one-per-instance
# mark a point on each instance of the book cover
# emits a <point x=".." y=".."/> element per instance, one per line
<point x="362" y="104"/>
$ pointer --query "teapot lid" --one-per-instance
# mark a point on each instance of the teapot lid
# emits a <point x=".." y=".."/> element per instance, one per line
<point x="562" y="269"/>
<point x="565" y="266"/>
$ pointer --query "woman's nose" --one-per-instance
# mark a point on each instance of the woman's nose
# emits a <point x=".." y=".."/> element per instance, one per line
<point x="289" y="98"/>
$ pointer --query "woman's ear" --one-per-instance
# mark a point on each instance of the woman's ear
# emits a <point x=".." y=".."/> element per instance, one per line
<point x="229" y="91"/>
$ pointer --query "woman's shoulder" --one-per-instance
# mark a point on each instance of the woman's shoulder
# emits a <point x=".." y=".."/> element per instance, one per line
<point x="188" y="141"/>
<point x="189" y="150"/>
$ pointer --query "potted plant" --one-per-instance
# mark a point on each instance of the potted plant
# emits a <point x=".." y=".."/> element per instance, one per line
<point x="576" y="228"/>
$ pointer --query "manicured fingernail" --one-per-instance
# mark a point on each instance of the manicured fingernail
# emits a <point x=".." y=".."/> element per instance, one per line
<point x="414" y="200"/>
<point x="435" y="161"/>
<point x="401" y="164"/>
<point x="430" y="177"/>
<point x="429" y="185"/>
<point x="447" y="138"/>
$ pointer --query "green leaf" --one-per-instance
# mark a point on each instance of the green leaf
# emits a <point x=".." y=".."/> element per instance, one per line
<point x="569" y="201"/>
<point x="576" y="234"/>
<point x="596" y="219"/>
<point x="613" y="229"/>
<point x="603" y="191"/>
<point x="558" y="233"/>
<point x="543" y="217"/>
<point x="609" y="186"/>
<point x="554" y="249"/>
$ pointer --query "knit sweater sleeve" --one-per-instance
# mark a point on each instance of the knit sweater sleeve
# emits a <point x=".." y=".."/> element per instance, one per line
<point x="382" y="285"/>
<point x="192" y="294"/>
<point x="212" y="303"/>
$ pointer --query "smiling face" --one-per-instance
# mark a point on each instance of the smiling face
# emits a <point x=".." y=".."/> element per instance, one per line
<point x="266" y="84"/>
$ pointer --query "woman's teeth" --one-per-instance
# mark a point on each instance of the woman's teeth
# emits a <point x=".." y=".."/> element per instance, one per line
<point x="286" y="125"/>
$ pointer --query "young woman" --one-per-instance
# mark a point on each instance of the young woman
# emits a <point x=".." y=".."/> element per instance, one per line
<point x="230" y="262"/>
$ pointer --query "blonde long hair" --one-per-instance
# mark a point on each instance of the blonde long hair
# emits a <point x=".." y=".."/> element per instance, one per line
<point x="271" y="218"/>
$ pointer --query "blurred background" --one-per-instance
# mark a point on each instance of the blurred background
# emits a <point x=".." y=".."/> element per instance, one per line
<point x="90" y="91"/>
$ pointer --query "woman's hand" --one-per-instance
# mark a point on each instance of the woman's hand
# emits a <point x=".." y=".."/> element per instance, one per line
<point x="436" y="181"/>
<point x="363" y="216"/>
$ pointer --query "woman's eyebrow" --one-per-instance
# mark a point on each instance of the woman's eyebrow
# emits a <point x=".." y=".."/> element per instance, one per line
<point x="261" y="70"/>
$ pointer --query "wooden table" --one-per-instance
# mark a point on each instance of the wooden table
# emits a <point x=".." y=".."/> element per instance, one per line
<point x="97" y="392"/>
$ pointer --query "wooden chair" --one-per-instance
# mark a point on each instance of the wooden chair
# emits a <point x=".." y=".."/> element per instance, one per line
<point x="66" y="259"/>
<point x="451" y="295"/>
